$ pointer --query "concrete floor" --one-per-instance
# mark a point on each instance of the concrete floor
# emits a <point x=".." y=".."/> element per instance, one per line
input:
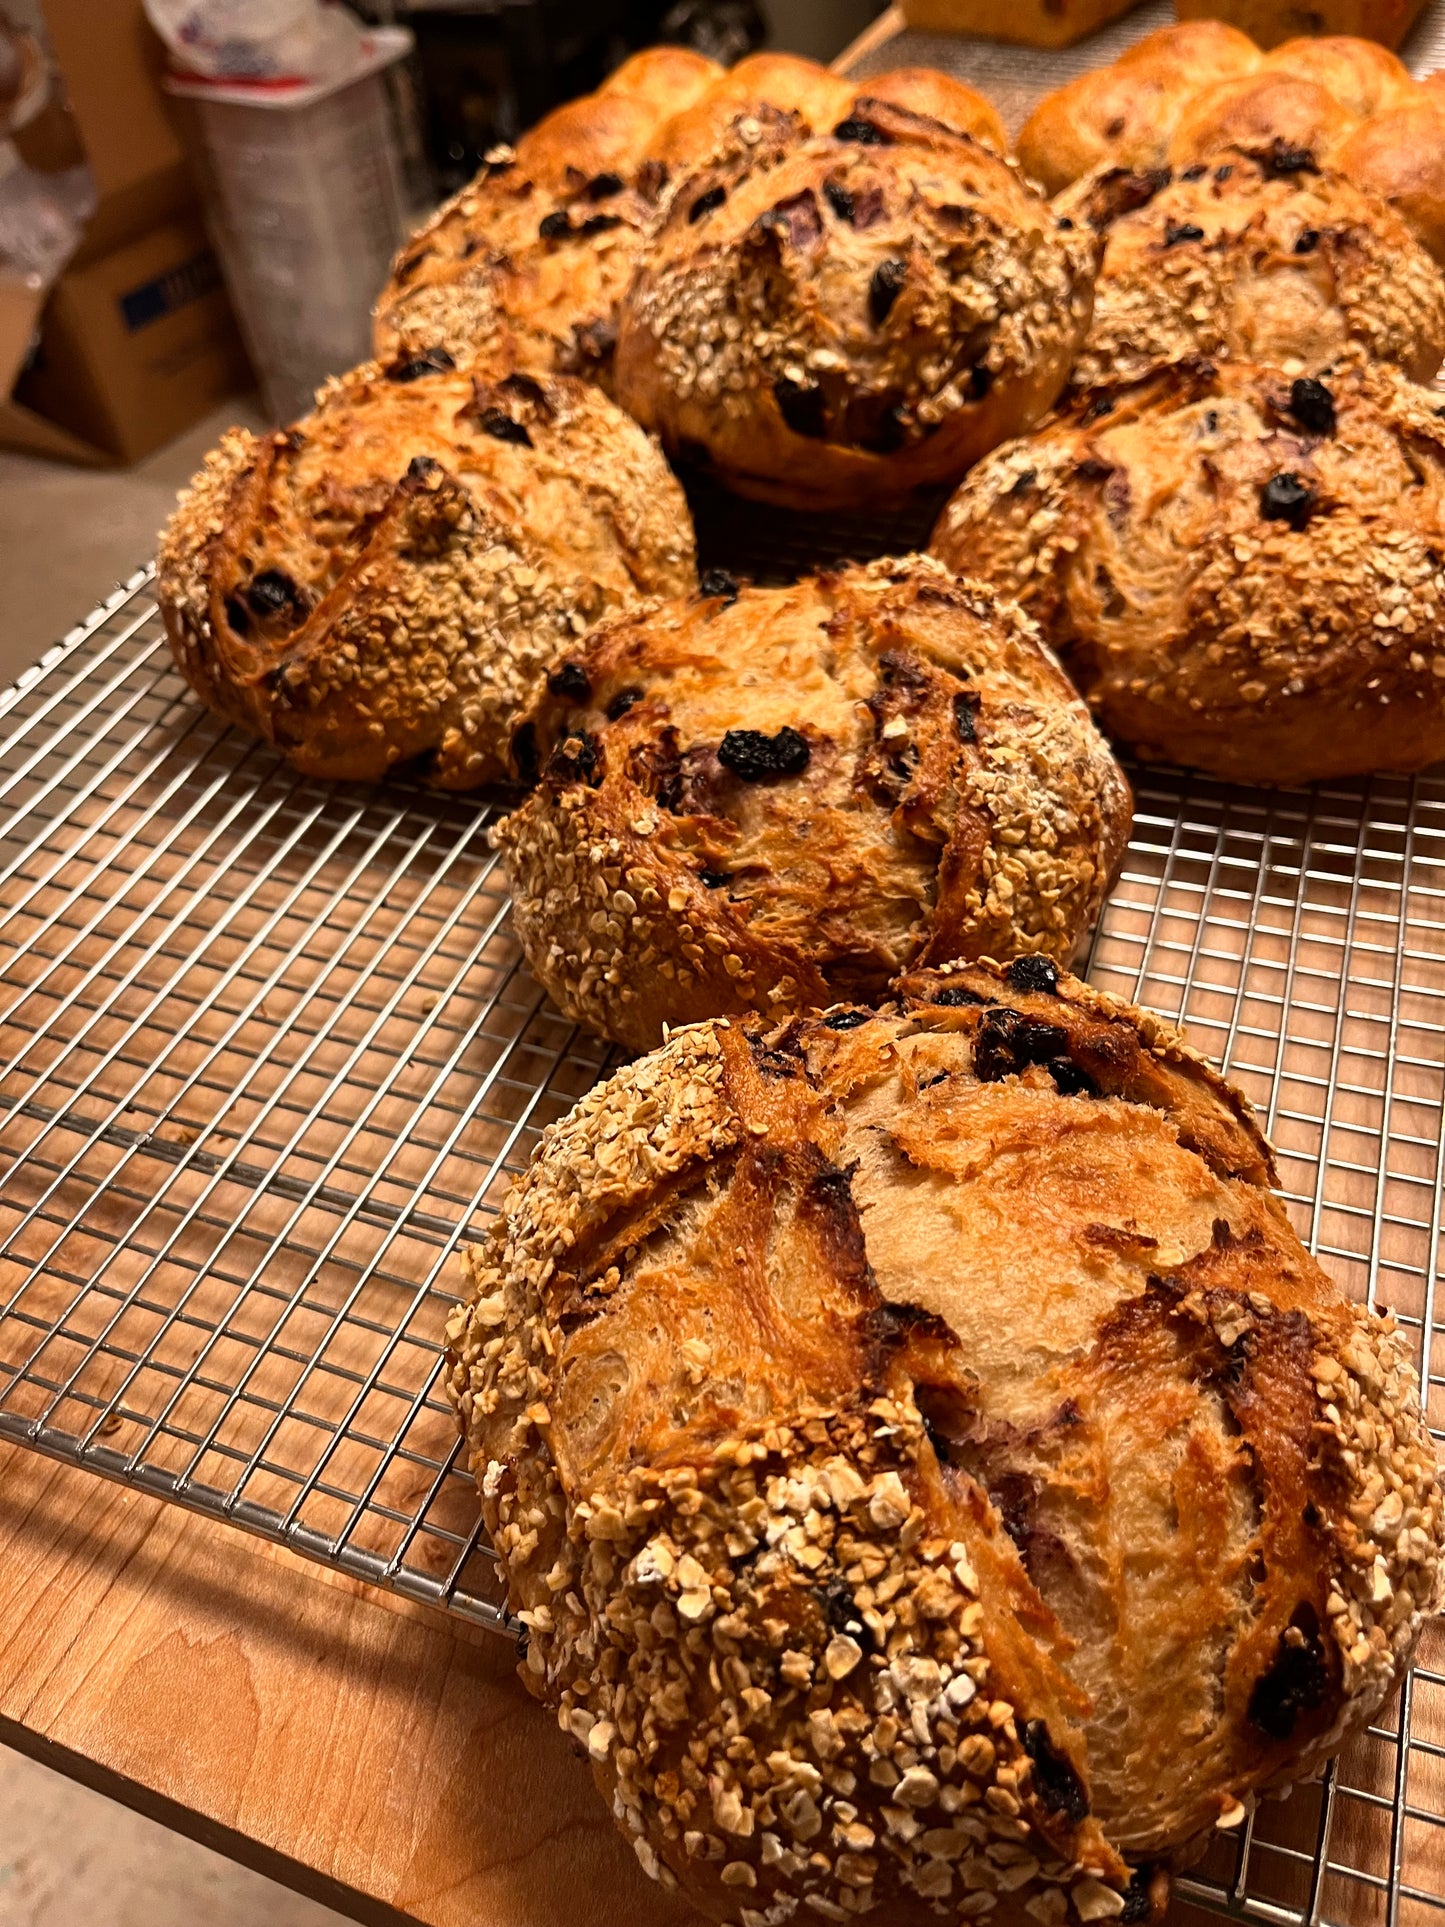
<point x="69" y="1857"/>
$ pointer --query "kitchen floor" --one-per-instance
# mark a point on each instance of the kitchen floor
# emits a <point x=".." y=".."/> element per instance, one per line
<point x="69" y="1856"/>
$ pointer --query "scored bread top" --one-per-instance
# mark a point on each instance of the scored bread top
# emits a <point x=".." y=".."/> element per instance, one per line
<point x="926" y="1461"/>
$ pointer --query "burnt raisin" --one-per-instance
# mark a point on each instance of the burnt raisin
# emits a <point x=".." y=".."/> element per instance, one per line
<point x="421" y="468"/>
<point x="848" y="1019"/>
<point x="1176" y="233"/>
<point x="705" y="203"/>
<point x="802" y="408"/>
<point x="1195" y="173"/>
<point x="555" y="227"/>
<point x="980" y="380"/>
<point x="569" y="679"/>
<point x="236" y="615"/>
<point x="1008" y="1043"/>
<point x="839" y="199"/>
<point x="862" y="131"/>
<point x="965" y="710"/>
<point x="1138" y="1903"/>
<point x="713" y="879"/>
<point x="1284" y="158"/>
<point x="501" y="426"/>
<point x="757" y="758"/>
<point x="1296" y="1681"/>
<point x="1285" y="498"/>
<point x="1308" y="241"/>
<point x="1312" y="405"/>
<point x="952" y="995"/>
<point x="1036" y="973"/>
<point x="599" y="224"/>
<point x="524" y="753"/>
<point x="1223" y="173"/>
<point x="272" y="591"/>
<point x="1056" y="1785"/>
<point x="574" y="760"/>
<point x="603" y="186"/>
<point x="1100" y="406"/>
<point x="717" y="582"/>
<point x="427" y="361"/>
<point x="883" y="290"/>
<point x="622" y="702"/>
<point x="1069" y="1079"/>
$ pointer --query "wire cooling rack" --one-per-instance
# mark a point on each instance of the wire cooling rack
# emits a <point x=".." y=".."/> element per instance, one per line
<point x="268" y="1051"/>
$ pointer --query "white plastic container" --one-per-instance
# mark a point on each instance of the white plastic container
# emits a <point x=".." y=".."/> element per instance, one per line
<point x="303" y="196"/>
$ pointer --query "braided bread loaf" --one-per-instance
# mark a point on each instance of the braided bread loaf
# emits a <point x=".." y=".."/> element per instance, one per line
<point x="932" y="1474"/>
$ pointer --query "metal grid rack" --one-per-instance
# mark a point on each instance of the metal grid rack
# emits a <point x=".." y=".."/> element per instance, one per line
<point x="268" y="1051"/>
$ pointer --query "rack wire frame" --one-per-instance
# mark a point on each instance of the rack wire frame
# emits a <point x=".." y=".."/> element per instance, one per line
<point x="269" y="1052"/>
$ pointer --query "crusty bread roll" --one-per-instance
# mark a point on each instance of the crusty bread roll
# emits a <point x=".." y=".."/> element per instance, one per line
<point x="934" y="1478"/>
<point x="1027" y="23"/>
<point x="1124" y="114"/>
<point x="1271" y="21"/>
<point x="1362" y="76"/>
<point x="1253" y="111"/>
<point x="962" y="109"/>
<point x="524" y="267"/>
<point x="843" y="319"/>
<point x="1400" y="155"/>
<point x="772" y="798"/>
<point x="1243" y="258"/>
<point x="393" y="577"/>
<point x="1242" y="572"/>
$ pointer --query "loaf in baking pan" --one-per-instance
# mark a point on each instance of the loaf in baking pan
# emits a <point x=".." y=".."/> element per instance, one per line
<point x="1272" y="21"/>
<point x="1027" y="23"/>
<point x="1255" y="256"/>
<point x="1244" y="571"/>
<point x="392" y="578"/>
<point x="840" y="319"/>
<point x="932" y="1474"/>
<point x="767" y="798"/>
<point x="525" y="265"/>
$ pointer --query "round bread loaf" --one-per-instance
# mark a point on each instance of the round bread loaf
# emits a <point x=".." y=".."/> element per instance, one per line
<point x="1242" y="572"/>
<point x="839" y="320"/>
<point x="1251" y="256"/>
<point x="783" y="82"/>
<point x="1299" y="115"/>
<point x="932" y="1474"/>
<point x="1362" y="75"/>
<point x="526" y="265"/>
<point x="774" y="797"/>
<point x="1399" y="154"/>
<point x="393" y="577"/>
<point x="1124" y="114"/>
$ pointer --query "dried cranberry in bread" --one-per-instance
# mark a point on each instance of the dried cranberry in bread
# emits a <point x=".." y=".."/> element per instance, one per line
<point x="527" y="263"/>
<point x="766" y="798"/>
<point x="393" y="577"/>
<point x="933" y="1475"/>
<point x="1242" y="570"/>
<point x="842" y="319"/>
<point x="1251" y="256"/>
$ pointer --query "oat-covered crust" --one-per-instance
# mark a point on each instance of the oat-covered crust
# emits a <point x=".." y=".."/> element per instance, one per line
<point x="393" y="577"/>
<point x="932" y="1474"/>
<point x="773" y="798"/>
<point x="1254" y="257"/>
<point x="527" y="263"/>
<point x="843" y="318"/>
<point x="1242" y="571"/>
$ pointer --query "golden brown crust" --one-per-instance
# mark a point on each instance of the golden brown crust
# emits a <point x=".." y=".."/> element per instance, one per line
<point x="783" y="82"/>
<point x="1399" y="154"/>
<point x="800" y="792"/>
<point x="1362" y="75"/>
<point x="1123" y="115"/>
<point x="1247" y="258"/>
<point x="923" y="90"/>
<point x="929" y="1468"/>
<point x="1270" y="22"/>
<point x="393" y="577"/>
<point x="1037" y="23"/>
<point x="1254" y="110"/>
<point x="525" y="266"/>
<point x="837" y="320"/>
<point x="1241" y="571"/>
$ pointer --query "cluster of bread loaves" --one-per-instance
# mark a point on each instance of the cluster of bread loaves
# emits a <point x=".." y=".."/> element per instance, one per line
<point x="934" y="1479"/>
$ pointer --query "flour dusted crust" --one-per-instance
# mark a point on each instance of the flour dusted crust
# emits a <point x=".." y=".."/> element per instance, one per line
<point x="393" y="577"/>
<point x="1242" y="571"/>
<point x="1254" y="257"/>
<point x="933" y="1476"/>
<point x="843" y="318"/>
<point x="772" y="798"/>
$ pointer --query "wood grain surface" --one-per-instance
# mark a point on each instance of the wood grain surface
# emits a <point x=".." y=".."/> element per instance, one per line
<point x="376" y="1755"/>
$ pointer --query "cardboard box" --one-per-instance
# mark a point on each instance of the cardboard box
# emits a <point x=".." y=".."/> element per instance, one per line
<point x="136" y="339"/>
